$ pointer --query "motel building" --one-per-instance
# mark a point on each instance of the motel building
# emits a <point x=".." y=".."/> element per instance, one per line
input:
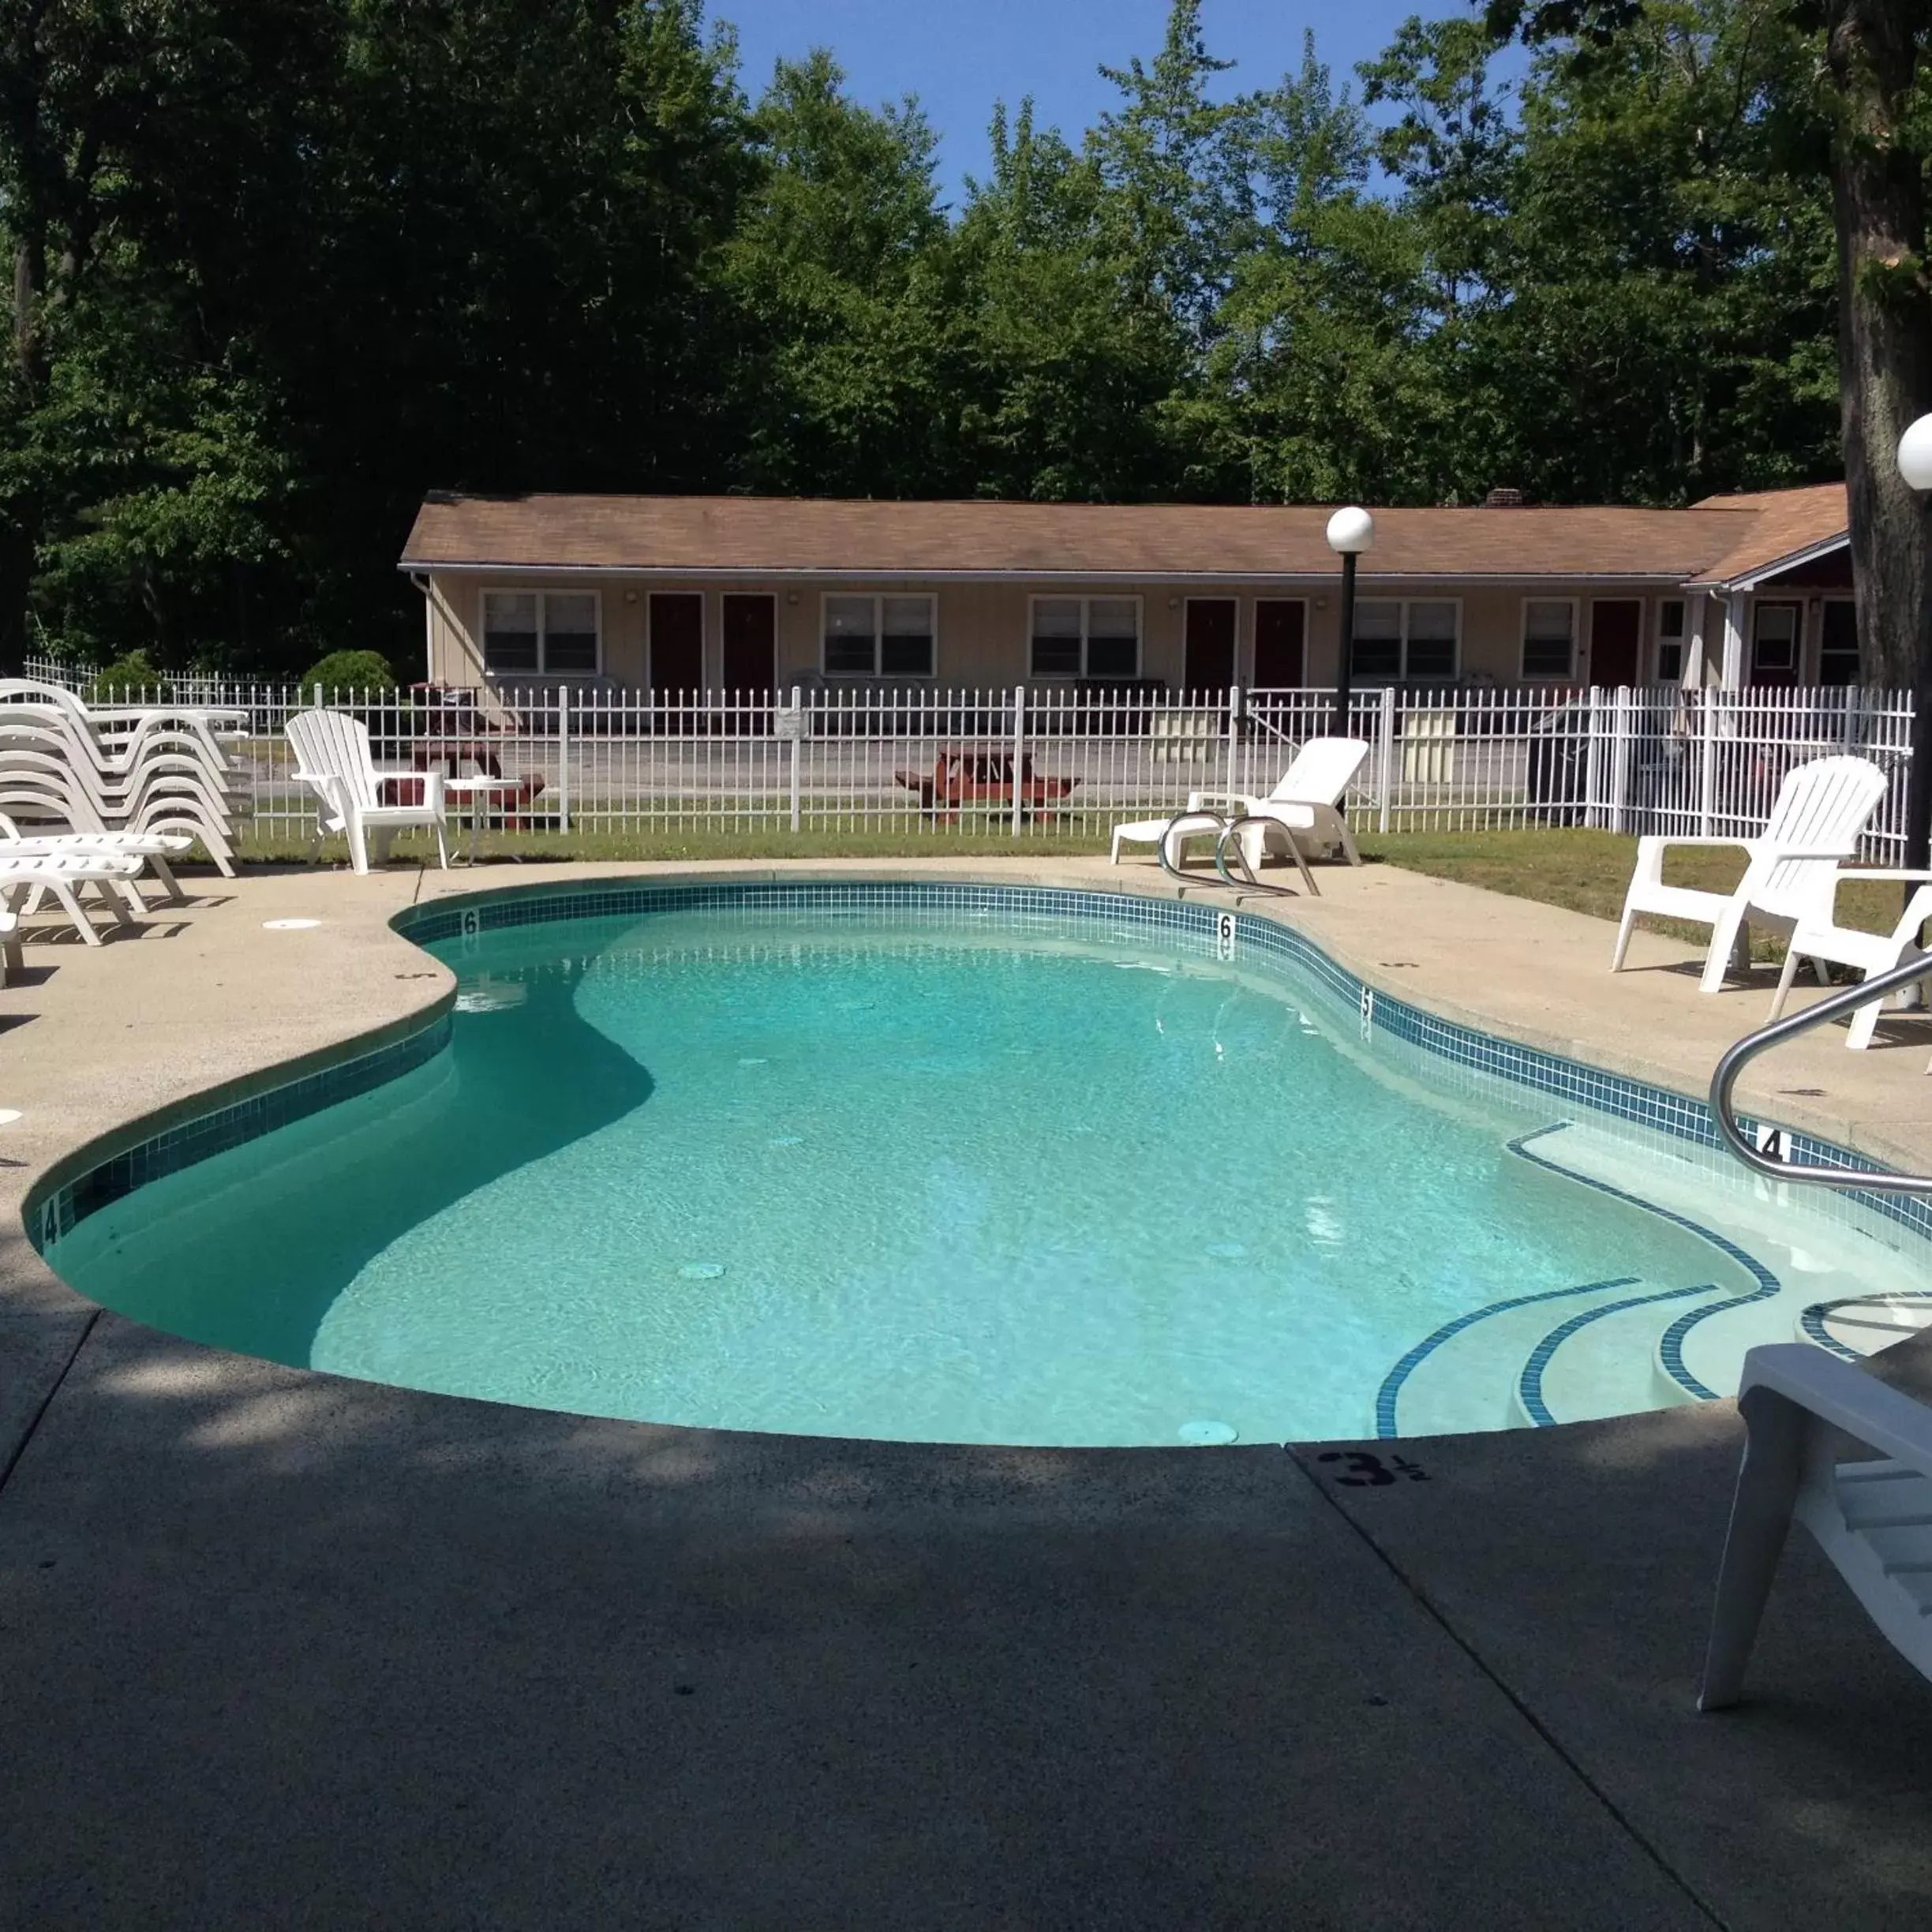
<point x="752" y="595"/>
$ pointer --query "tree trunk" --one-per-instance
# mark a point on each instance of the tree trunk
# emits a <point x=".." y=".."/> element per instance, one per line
<point x="1885" y="356"/>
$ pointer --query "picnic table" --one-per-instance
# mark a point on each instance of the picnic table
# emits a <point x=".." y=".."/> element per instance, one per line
<point x="508" y="800"/>
<point x="959" y="779"/>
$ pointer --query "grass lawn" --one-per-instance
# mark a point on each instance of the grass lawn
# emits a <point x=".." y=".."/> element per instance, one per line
<point x="1584" y="871"/>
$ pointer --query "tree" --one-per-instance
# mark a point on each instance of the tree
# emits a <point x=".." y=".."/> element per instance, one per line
<point x="1865" y="93"/>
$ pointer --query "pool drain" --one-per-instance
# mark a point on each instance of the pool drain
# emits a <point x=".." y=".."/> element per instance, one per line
<point x="1208" y="1435"/>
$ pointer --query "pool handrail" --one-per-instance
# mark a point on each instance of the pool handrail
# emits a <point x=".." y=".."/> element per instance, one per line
<point x="1735" y="1058"/>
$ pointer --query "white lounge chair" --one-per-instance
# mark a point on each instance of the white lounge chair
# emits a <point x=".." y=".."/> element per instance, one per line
<point x="1302" y="812"/>
<point x="1817" y="937"/>
<point x="154" y="849"/>
<point x="1873" y="1518"/>
<point x="332" y="750"/>
<point x="60" y="876"/>
<point x="1822" y="809"/>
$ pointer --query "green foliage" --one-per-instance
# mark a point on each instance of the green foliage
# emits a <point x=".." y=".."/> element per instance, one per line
<point x="350" y="671"/>
<point x="283" y="265"/>
<point x="133" y="672"/>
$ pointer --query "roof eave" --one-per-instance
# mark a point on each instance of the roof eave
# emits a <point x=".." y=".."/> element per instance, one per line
<point x="766" y="573"/>
<point x="1792" y="559"/>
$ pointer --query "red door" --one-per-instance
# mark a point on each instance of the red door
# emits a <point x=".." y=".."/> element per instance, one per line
<point x="1616" y="642"/>
<point x="751" y="645"/>
<point x="1280" y="628"/>
<point x="676" y="642"/>
<point x="1210" y="644"/>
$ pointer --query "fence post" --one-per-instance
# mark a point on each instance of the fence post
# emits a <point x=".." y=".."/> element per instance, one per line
<point x="564" y="711"/>
<point x="318" y="697"/>
<point x="1593" y="761"/>
<point x="1385" y="755"/>
<point x="1620" y="763"/>
<point x="798" y="738"/>
<point x="1019" y="753"/>
<point x="1707" y="777"/>
<point x="1236" y="779"/>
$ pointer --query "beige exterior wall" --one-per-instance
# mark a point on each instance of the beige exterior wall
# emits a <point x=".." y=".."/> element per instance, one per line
<point x="983" y="628"/>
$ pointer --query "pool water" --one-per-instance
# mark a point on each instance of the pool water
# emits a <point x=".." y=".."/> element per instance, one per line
<point x="959" y="1176"/>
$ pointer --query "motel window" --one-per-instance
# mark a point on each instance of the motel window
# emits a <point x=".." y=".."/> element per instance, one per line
<point x="1549" y="637"/>
<point x="541" y="631"/>
<point x="1838" y="649"/>
<point x="1774" y="643"/>
<point x="879" y="636"/>
<point x="1086" y="637"/>
<point x="1670" y="643"/>
<point x="1406" y="640"/>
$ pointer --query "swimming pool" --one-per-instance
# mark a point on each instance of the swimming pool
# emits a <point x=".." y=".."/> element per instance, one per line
<point x="964" y="1163"/>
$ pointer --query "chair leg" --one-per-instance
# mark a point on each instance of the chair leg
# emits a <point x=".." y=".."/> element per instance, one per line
<point x="165" y="873"/>
<point x="1728" y="937"/>
<point x="1115" y="859"/>
<point x="1351" y="849"/>
<point x="1785" y="980"/>
<point x="1864" y="1024"/>
<point x="442" y="845"/>
<point x="1761" y="1514"/>
<point x="1627" y="925"/>
<point x="63" y="893"/>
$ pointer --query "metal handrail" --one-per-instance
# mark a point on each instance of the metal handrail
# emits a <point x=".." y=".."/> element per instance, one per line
<point x="1735" y="1061"/>
<point x="1226" y="828"/>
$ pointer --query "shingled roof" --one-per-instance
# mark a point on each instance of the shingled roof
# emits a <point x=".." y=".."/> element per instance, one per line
<point x="765" y="537"/>
<point x="1785" y="525"/>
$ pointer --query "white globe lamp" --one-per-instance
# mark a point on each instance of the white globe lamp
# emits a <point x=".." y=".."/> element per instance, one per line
<point x="1352" y="531"/>
<point x="1914" y="454"/>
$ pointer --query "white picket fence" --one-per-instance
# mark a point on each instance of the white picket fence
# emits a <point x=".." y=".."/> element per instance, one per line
<point x="1025" y="762"/>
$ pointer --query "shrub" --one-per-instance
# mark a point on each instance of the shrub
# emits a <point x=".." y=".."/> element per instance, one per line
<point x="347" y="671"/>
<point x="136" y="670"/>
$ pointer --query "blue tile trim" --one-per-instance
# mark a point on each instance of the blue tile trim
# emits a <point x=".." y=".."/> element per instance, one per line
<point x="1391" y="1391"/>
<point x="1530" y="1383"/>
<point x="1812" y="1321"/>
<point x="181" y="1146"/>
<point x="1670" y="1349"/>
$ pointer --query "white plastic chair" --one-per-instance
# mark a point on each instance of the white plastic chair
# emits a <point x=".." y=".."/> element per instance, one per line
<point x="1817" y="939"/>
<point x="60" y="876"/>
<point x="1822" y="809"/>
<point x="154" y="849"/>
<point x="332" y="750"/>
<point x="1303" y="810"/>
<point x="1872" y="1518"/>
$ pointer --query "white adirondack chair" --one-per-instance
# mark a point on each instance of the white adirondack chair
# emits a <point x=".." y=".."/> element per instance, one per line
<point x="1818" y="937"/>
<point x="1822" y="809"/>
<point x="1302" y="812"/>
<point x="332" y="751"/>
<point x="1872" y="1518"/>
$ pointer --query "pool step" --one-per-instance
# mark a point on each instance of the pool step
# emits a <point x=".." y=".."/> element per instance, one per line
<point x="1855" y="1325"/>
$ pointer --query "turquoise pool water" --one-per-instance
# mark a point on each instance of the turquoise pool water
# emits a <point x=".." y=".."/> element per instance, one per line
<point x="952" y="1176"/>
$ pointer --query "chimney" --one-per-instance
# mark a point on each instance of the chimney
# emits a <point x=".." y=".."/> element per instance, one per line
<point x="1504" y="500"/>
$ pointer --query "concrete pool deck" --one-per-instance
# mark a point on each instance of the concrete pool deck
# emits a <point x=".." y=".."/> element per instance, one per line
<point x="276" y="1647"/>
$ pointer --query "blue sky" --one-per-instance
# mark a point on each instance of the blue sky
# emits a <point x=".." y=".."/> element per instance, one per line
<point x="959" y="58"/>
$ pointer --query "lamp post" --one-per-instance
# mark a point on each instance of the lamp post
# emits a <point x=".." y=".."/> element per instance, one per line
<point x="1350" y="532"/>
<point x="1915" y="462"/>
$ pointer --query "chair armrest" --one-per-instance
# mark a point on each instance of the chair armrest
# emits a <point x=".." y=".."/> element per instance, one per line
<point x="1907" y="877"/>
<point x="1658" y="841"/>
<point x="1846" y="1397"/>
<point x="1197" y="800"/>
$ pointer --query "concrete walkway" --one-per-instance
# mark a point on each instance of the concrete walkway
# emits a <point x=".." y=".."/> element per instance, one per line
<point x="280" y="1649"/>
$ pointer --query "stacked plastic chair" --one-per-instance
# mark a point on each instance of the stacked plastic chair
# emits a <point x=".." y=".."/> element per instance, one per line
<point x="156" y="767"/>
